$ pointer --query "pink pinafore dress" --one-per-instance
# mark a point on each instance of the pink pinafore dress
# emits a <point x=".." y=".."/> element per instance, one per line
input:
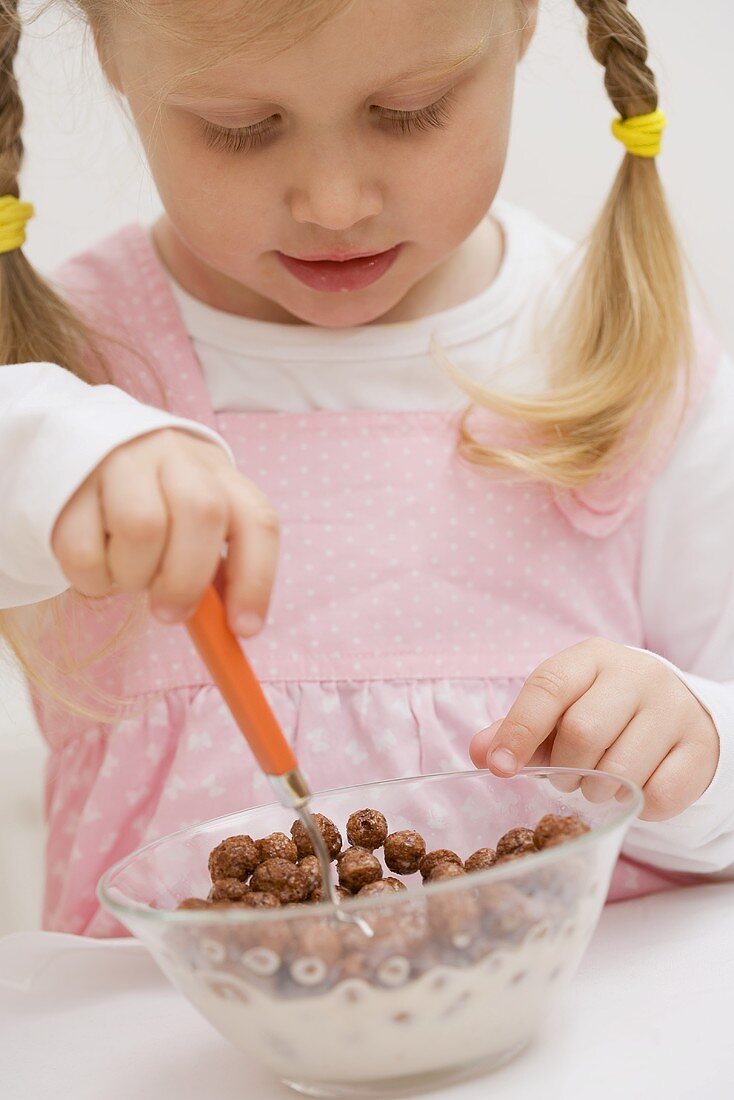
<point x="415" y="594"/>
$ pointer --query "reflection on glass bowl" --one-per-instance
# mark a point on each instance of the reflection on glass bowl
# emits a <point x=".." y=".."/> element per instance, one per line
<point x="459" y="973"/>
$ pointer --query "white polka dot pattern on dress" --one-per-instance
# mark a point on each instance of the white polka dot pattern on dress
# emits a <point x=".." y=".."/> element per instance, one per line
<point x="415" y="593"/>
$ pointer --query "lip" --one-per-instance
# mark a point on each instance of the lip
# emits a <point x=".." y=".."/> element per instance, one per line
<point x="334" y="257"/>
<point x="334" y="274"/>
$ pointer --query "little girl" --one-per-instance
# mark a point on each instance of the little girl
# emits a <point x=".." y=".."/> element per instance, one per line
<point x="334" y="323"/>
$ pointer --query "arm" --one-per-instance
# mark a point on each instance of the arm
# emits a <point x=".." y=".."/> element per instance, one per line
<point x="54" y="431"/>
<point x="663" y="717"/>
<point x="687" y="601"/>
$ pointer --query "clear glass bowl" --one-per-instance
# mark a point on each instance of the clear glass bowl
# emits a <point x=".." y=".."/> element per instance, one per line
<point x="458" y="975"/>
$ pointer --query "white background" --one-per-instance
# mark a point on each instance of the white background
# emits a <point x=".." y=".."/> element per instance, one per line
<point x="85" y="175"/>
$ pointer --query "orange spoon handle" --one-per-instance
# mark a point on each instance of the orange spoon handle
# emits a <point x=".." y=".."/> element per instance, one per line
<point x="231" y="671"/>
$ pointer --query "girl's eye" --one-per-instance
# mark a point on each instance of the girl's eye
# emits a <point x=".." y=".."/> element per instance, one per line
<point x="234" y="141"/>
<point x="434" y="116"/>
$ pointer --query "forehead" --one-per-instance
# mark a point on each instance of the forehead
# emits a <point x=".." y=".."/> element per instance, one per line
<point x="228" y="49"/>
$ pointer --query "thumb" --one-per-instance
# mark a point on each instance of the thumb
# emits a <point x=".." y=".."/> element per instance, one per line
<point x="481" y="742"/>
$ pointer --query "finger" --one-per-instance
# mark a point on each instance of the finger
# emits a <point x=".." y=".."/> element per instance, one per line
<point x="480" y="742"/>
<point x="547" y="693"/>
<point x="676" y="783"/>
<point x="79" y="542"/>
<point x="593" y="723"/>
<point x="136" y="518"/>
<point x="252" y="557"/>
<point x="197" y="510"/>
<point x="634" y="755"/>
<point x="541" y="756"/>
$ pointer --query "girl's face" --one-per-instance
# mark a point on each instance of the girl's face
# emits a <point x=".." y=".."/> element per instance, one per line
<point x="366" y="137"/>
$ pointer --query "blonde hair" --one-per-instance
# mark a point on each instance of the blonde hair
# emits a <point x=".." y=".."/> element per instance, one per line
<point x="615" y="348"/>
<point x="621" y="340"/>
<point x="36" y="324"/>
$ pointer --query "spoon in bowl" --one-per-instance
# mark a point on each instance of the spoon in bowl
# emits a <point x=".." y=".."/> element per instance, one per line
<point x="231" y="671"/>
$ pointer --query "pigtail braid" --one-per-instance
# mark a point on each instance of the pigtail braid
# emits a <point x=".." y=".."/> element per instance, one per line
<point x="621" y="340"/>
<point x="11" y="107"/>
<point x="618" y="43"/>
<point x="36" y="325"/>
<point x="631" y="292"/>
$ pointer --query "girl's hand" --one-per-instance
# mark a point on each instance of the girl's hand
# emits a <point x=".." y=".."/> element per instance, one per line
<point x="601" y="705"/>
<point x="155" y="514"/>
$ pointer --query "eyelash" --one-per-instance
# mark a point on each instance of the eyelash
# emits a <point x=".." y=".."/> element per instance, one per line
<point x="435" y="116"/>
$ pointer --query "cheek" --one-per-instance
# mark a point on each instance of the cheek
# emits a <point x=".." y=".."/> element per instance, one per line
<point x="208" y="196"/>
<point x="465" y="168"/>
<point x="464" y="175"/>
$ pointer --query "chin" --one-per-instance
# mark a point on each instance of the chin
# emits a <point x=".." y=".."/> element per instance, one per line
<point x="342" y="311"/>
<point x="340" y="319"/>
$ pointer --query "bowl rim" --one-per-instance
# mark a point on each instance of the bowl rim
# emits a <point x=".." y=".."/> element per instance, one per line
<point x="325" y="910"/>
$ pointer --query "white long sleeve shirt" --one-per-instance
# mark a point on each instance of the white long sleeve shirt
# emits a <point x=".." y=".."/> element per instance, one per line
<point x="686" y="587"/>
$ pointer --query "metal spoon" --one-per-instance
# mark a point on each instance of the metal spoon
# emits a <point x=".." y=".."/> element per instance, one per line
<point x="241" y="691"/>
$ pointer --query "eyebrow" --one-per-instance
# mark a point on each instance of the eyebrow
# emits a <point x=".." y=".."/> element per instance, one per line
<point x="439" y="65"/>
<point x="442" y="63"/>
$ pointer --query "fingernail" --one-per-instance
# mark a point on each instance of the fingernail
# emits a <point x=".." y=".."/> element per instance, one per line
<point x="504" y="761"/>
<point x="248" y="623"/>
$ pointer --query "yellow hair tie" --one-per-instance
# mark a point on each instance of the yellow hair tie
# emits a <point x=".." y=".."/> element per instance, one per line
<point x="14" y="215"/>
<point x="641" y="135"/>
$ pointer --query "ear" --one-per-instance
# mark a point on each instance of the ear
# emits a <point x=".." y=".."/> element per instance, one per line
<point x="530" y="15"/>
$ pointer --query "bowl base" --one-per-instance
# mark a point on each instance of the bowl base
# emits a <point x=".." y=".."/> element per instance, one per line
<point x="416" y="1084"/>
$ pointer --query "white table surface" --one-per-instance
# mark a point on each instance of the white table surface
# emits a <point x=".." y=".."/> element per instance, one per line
<point x="649" y="1016"/>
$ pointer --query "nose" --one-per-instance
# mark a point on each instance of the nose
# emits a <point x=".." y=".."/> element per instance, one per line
<point x="334" y="191"/>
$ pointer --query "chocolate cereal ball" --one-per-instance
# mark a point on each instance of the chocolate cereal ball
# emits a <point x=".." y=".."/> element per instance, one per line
<point x="554" y="829"/>
<point x="453" y="916"/>
<point x="251" y="938"/>
<point x="330" y="833"/>
<point x="235" y="857"/>
<point x="509" y="856"/>
<point x="516" y="840"/>
<point x="258" y="899"/>
<point x="383" y="886"/>
<point x="357" y="867"/>
<point x="440" y="855"/>
<point x="401" y="929"/>
<point x="228" y="889"/>
<point x="311" y="868"/>
<point x="508" y="915"/>
<point x="320" y="894"/>
<point x="367" y="829"/>
<point x="283" y="879"/>
<point x="320" y="940"/>
<point x="404" y="851"/>
<point x="442" y="871"/>
<point x="277" y="846"/>
<point x="559" y="838"/>
<point x="193" y="903"/>
<point x="481" y="859"/>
